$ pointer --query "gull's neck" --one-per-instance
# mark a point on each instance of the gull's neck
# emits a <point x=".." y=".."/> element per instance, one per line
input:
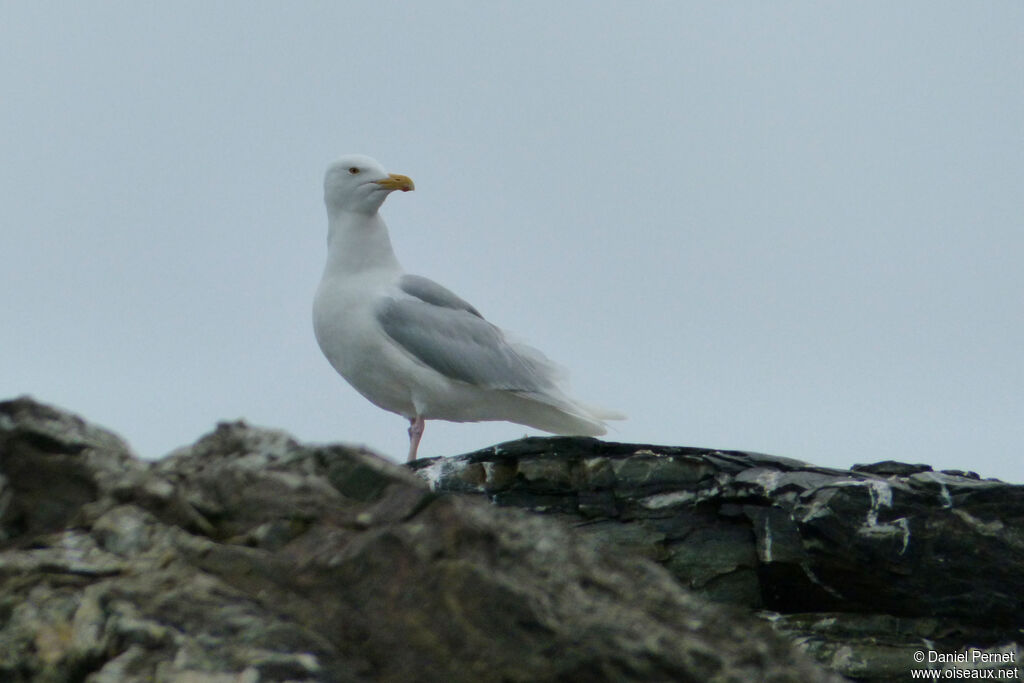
<point x="358" y="242"/>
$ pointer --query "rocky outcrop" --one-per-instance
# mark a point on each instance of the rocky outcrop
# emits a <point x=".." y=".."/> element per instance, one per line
<point x="249" y="557"/>
<point x="864" y="568"/>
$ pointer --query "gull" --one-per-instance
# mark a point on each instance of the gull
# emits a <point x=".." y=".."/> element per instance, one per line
<point x="411" y="346"/>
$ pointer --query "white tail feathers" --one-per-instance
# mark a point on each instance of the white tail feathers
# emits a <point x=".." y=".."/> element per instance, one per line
<point x="561" y="415"/>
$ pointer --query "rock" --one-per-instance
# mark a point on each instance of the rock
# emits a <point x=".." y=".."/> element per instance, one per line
<point x="862" y="567"/>
<point x="249" y="557"/>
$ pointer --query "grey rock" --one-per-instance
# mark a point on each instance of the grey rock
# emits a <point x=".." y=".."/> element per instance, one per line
<point x="861" y="567"/>
<point x="248" y="557"/>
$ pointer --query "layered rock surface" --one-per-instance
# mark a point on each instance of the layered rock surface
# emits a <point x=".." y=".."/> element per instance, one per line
<point x="250" y="557"/>
<point x="864" y="568"/>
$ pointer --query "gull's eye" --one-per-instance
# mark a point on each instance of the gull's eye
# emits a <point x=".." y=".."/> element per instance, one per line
<point x="354" y="170"/>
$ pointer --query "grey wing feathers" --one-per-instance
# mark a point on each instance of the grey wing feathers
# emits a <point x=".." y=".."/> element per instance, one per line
<point x="461" y="345"/>
<point x="429" y="291"/>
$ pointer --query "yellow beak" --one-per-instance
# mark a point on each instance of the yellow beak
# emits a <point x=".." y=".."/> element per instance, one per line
<point x="397" y="182"/>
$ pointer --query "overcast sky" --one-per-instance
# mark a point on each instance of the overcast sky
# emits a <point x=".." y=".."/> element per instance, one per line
<point x="794" y="228"/>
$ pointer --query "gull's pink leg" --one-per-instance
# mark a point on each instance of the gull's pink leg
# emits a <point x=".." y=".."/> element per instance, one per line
<point x="415" y="433"/>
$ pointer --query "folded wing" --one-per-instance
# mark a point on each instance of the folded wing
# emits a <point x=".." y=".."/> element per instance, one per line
<point x="461" y="345"/>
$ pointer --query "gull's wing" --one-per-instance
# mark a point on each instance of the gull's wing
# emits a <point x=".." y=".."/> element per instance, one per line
<point x="447" y="334"/>
<point x="429" y="291"/>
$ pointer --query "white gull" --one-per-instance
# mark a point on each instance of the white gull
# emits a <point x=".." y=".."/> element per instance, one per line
<point x="411" y="346"/>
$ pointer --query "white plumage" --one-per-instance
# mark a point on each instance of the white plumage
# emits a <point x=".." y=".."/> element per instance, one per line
<point x="410" y="345"/>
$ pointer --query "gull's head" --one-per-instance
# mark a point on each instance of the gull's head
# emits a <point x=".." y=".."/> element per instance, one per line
<point x="360" y="184"/>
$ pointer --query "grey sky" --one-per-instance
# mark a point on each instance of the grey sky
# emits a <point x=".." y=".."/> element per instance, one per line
<point x="795" y="228"/>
